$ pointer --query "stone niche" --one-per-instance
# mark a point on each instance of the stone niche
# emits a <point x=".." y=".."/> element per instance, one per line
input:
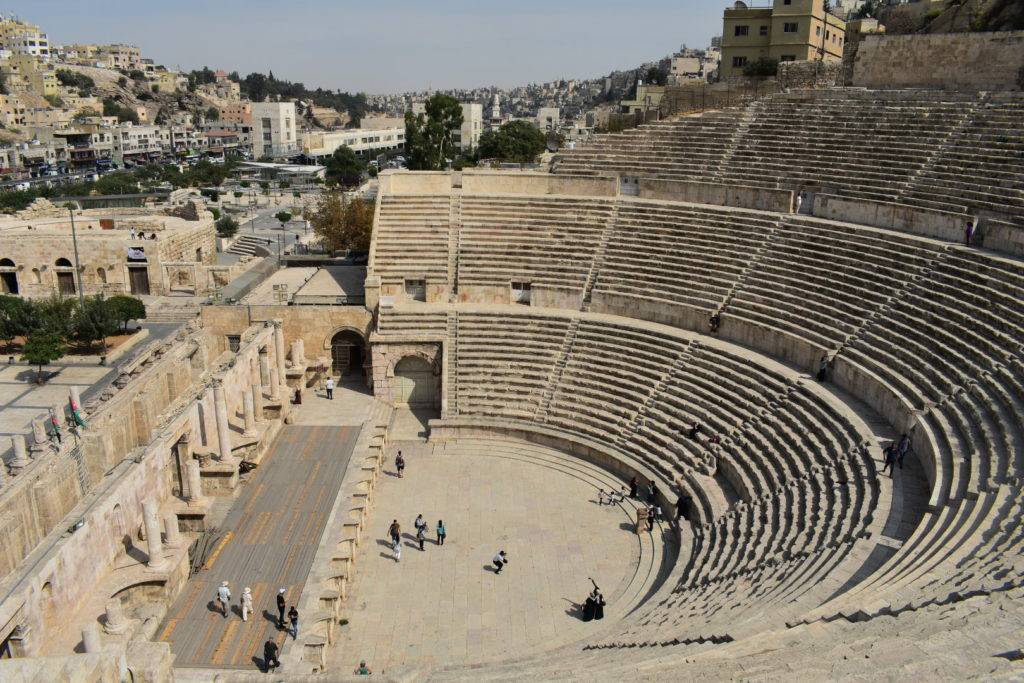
<point x="387" y="355"/>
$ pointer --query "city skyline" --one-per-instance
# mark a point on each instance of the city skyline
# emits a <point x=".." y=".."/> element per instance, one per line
<point x="450" y="45"/>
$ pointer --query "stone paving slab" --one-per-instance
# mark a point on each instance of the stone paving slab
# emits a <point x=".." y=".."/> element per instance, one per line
<point x="269" y="540"/>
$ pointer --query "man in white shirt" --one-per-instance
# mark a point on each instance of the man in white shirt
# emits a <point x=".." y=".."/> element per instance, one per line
<point x="330" y="388"/>
<point x="500" y="560"/>
<point x="224" y="597"/>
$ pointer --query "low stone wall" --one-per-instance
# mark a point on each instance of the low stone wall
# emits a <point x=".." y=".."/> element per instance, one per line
<point x="809" y="74"/>
<point x="419" y="182"/>
<point x="981" y="61"/>
<point x="941" y="225"/>
<point x="515" y="182"/>
<point x="718" y="194"/>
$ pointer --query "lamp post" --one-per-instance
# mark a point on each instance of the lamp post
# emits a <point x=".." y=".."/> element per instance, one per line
<point x="78" y="269"/>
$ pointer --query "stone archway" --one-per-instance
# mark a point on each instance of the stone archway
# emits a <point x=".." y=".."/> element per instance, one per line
<point x="416" y="384"/>
<point x="348" y="354"/>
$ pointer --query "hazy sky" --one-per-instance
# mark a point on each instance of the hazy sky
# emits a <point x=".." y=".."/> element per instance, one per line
<point x="387" y="46"/>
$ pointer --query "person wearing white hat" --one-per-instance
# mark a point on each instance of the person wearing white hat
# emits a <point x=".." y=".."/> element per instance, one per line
<point x="246" y="603"/>
<point x="224" y="596"/>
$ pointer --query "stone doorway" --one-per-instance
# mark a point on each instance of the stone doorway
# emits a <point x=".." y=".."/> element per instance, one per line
<point x="347" y="354"/>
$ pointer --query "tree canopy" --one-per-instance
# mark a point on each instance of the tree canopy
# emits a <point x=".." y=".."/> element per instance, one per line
<point x="126" y="308"/>
<point x="517" y="141"/>
<point x="43" y="348"/>
<point x="344" y="168"/>
<point x="342" y="225"/>
<point x="428" y="137"/>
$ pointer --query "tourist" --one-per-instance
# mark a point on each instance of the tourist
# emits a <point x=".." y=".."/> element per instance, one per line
<point x="441" y="532"/>
<point x="363" y="670"/>
<point x="293" y="616"/>
<point x="419" y="523"/>
<point x="715" y="320"/>
<point x="396" y="548"/>
<point x="603" y="498"/>
<point x="421" y="535"/>
<point x="633" y="485"/>
<point x="695" y="430"/>
<point x="714" y="440"/>
<point x="131" y="233"/>
<point x="652" y="512"/>
<point x="889" y="455"/>
<point x="968" y="233"/>
<point x="588" y="607"/>
<point x="270" y="660"/>
<point x="280" y="608"/>
<point x="152" y="235"/>
<point x="683" y="507"/>
<point x="500" y="560"/>
<point x="823" y="368"/>
<point x="599" y="604"/>
<point x="400" y="463"/>
<point x="901" y="450"/>
<point x="224" y="597"/>
<point x="297" y="398"/>
<point x="653" y="493"/>
<point x="395" y="531"/>
<point x="330" y="388"/>
<point x="799" y="201"/>
<point x="246" y="603"/>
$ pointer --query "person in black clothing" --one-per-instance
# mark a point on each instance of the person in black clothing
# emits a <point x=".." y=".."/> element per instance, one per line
<point x="890" y="458"/>
<point x="652" y="495"/>
<point x="695" y="430"/>
<point x="683" y="507"/>
<point x="715" y="320"/>
<point x="293" y="616"/>
<point x="270" y="660"/>
<point x="823" y="367"/>
<point x="633" y="485"/>
<point x="280" y="608"/>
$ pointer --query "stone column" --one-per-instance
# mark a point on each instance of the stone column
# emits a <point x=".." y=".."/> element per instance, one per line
<point x="302" y="350"/>
<point x="249" y="414"/>
<point x="20" y="460"/>
<point x="296" y="354"/>
<point x="279" y="350"/>
<point x="117" y="622"/>
<point x="174" y="537"/>
<point x="154" y="545"/>
<point x="40" y="443"/>
<point x="91" y="638"/>
<point x="195" y="481"/>
<point x="264" y="367"/>
<point x="220" y="407"/>
<point x="275" y="384"/>
<point x="257" y="400"/>
<point x="57" y="411"/>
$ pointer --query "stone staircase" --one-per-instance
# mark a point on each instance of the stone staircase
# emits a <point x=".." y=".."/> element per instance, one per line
<point x="249" y="245"/>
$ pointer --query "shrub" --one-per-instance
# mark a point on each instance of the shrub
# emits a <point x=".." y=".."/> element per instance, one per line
<point x="227" y="227"/>
<point x="763" y="67"/>
<point x="216" y="212"/>
<point x="126" y="308"/>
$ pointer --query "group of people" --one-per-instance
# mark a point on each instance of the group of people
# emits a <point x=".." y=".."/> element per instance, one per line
<point x="270" y="649"/>
<point x="895" y="452"/>
<point x="420" y="524"/>
<point x="593" y="607"/>
<point x="139" y="235"/>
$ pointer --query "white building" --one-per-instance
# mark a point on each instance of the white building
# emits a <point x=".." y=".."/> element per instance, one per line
<point x="273" y="130"/>
<point x="364" y="142"/>
<point x="468" y="137"/>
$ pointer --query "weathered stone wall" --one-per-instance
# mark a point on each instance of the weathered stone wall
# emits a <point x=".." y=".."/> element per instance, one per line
<point x="809" y="74"/>
<point x="981" y="61"/>
<point x="939" y="224"/>
<point x="387" y="355"/>
<point x="719" y="194"/>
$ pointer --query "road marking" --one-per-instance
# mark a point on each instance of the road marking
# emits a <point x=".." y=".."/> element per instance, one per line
<point x="216" y="553"/>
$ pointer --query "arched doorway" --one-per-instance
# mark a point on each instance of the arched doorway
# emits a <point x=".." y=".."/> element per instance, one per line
<point x="415" y="382"/>
<point x="347" y="354"/>
<point x="65" y="276"/>
<point x="8" y="277"/>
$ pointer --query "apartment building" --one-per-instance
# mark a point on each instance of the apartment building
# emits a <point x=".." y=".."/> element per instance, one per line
<point x="118" y="56"/>
<point x="167" y="81"/>
<point x="467" y="138"/>
<point x="236" y="112"/>
<point x="273" y="130"/>
<point x="19" y="37"/>
<point x="134" y="145"/>
<point x="24" y="73"/>
<point x="89" y="146"/>
<point x="789" y="30"/>
<point x="548" y="118"/>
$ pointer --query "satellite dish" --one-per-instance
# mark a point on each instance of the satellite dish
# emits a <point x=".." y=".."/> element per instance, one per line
<point x="553" y="142"/>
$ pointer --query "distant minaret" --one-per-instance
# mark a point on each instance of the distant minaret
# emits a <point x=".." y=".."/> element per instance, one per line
<point x="496" y="110"/>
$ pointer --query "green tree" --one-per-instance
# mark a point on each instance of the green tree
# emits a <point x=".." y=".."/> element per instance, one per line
<point x="15" y="317"/>
<point x="112" y="108"/>
<point x="54" y="101"/>
<point x="342" y="225"/>
<point x="283" y="217"/>
<point x="762" y="67"/>
<point x="212" y="114"/>
<point x="94" y="321"/>
<point x="43" y="348"/>
<point x="55" y="315"/>
<point x="120" y="182"/>
<point x="517" y="141"/>
<point x="428" y="137"/>
<point x="344" y="168"/>
<point x="227" y="227"/>
<point x="127" y="308"/>
<point x="655" y="76"/>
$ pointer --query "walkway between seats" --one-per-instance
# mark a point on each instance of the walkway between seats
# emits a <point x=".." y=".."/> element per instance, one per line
<point x="268" y="542"/>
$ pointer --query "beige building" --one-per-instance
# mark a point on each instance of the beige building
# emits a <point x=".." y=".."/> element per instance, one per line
<point x="468" y="137"/>
<point x="360" y="140"/>
<point x="236" y="112"/>
<point x="19" y="37"/>
<point x="273" y="130"/>
<point x="24" y="73"/>
<point x="167" y="81"/>
<point x="548" y="118"/>
<point x="789" y="30"/>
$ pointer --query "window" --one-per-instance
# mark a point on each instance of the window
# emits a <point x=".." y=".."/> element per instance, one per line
<point x="266" y="136"/>
<point x="739" y="61"/>
<point x="787" y="2"/>
<point x="763" y="31"/>
<point x="266" y="123"/>
<point x="787" y="58"/>
<point x="817" y="30"/>
<point x="827" y="35"/>
<point x="742" y="30"/>
<point x="790" y="27"/>
<point x="234" y="342"/>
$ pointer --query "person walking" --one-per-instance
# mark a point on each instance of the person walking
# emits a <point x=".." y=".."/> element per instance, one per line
<point x="280" y="608"/>
<point x="400" y="464"/>
<point x="683" y="507"/>
<point x="421" y="535"/>
<point x="396" y="548"/>
<point x="653" y="493"/>
<point x="270" y="660"/>
<point x="500" y="560"/>
<point x="293" y="616"/>
<point x="799" y="201"/>
<point x="224" y="597"/>
<point x="441" y="532"/>
<point x="419" y="523"/>
<point x="901" y="450"/>
<point x="246" y="603"/>
<point x="889" y="455"/>
<point x="968" y="233"/>
<point x="395" y="531"/>
<point x="329" y="385"/>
